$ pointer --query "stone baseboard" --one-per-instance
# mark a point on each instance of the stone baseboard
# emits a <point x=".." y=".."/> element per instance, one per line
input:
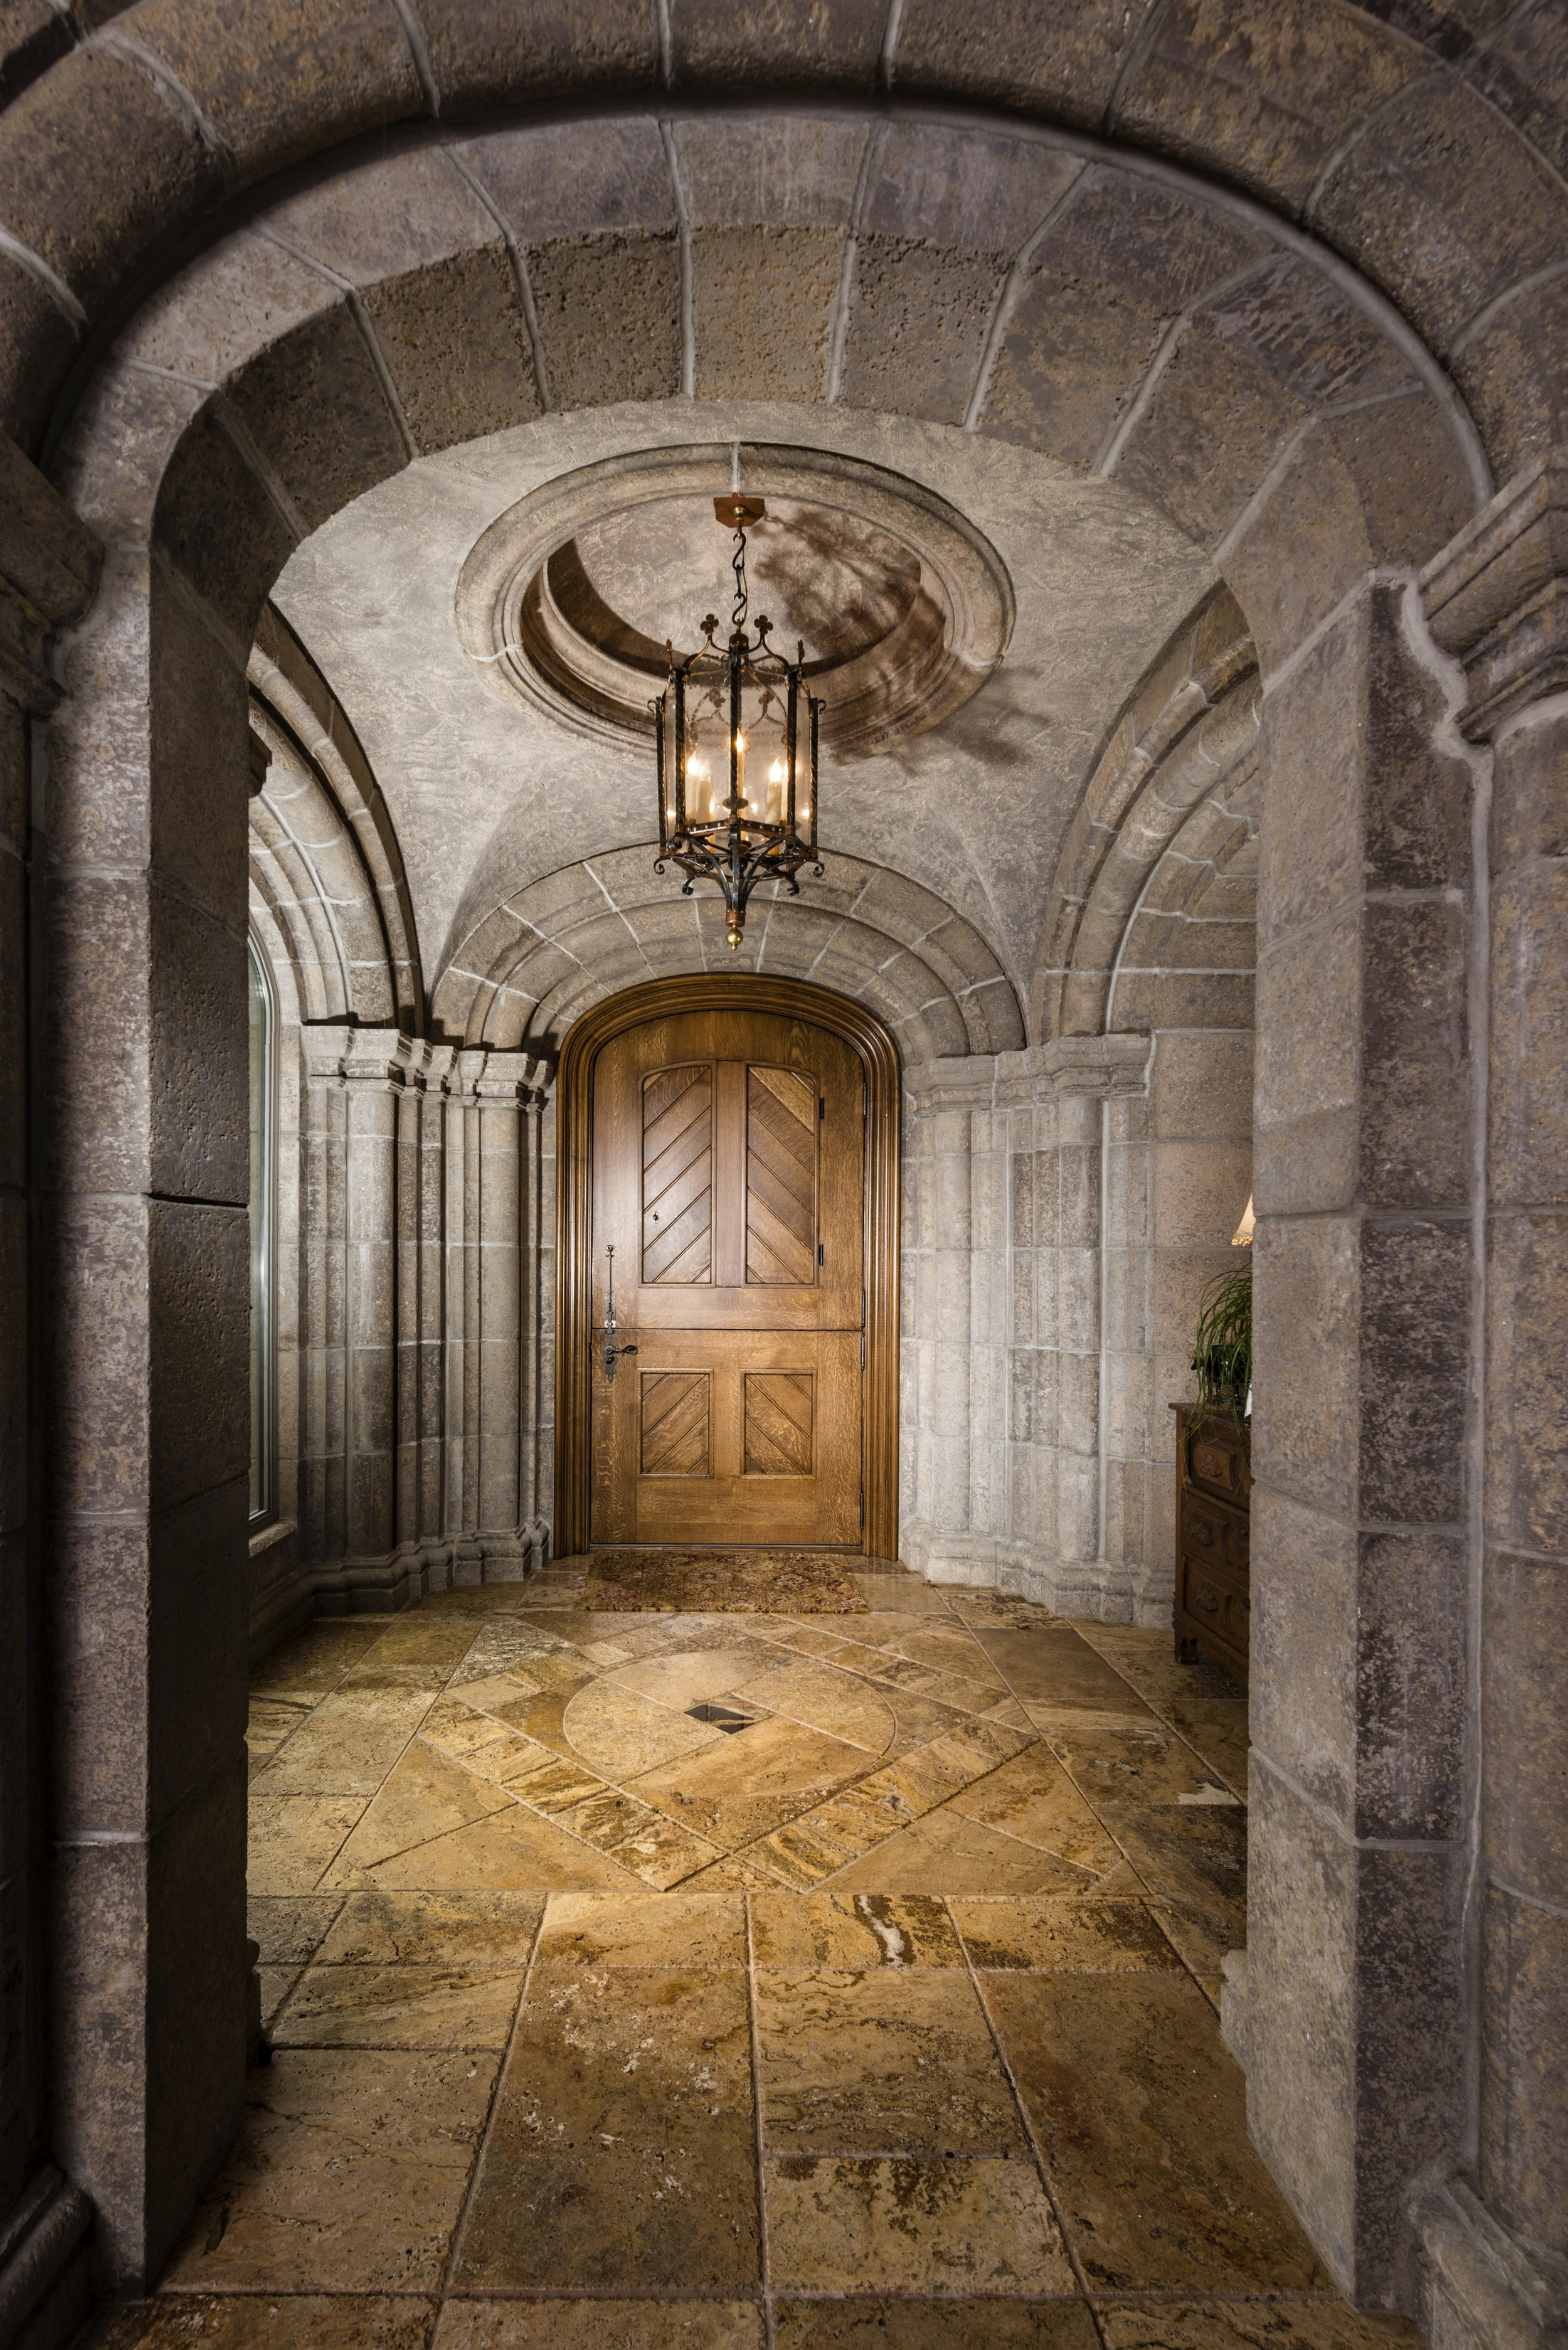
<point x="45" y="2268"/>
<point x="281" y="1597"/>
<point x="1481" y="2290"/>
<point x="1102" y="1590"/>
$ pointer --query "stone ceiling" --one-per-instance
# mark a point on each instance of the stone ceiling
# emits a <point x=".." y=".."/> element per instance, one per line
<point x="490" y="794"/>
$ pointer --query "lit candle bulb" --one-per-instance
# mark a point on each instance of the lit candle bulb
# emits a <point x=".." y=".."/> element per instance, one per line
<point x="696" y="778"/>
<point x="776" y="792"/>
<point x="740" y="766"/>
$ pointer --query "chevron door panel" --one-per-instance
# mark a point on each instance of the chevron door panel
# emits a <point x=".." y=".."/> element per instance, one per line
<point x="781" y="1178"/>
<point x="675" y="1424"/>
<point x="779" y="1412"/>
<point x="678" y="1176"/>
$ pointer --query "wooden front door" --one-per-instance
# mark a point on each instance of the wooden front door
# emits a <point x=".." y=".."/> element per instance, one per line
<point x="728" y="1174"/>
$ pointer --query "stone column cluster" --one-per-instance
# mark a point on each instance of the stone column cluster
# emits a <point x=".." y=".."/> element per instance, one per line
<point x="418" y="1317"/>
<point x="48" y="565"/>
<point x="1004" y="1261"/>
<point x="1495" y="2229"/>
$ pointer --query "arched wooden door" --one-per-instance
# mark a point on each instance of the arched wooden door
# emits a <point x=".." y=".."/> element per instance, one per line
<point x="735" y="1141"/>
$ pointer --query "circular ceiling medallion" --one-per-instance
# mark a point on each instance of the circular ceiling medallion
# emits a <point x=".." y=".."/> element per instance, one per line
<point x="567" y="602"/>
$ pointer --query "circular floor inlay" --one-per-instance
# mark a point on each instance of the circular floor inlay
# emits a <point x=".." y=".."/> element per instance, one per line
<point x="567" y="600"/>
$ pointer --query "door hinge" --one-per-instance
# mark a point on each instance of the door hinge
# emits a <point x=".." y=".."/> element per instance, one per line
<point x="819" y="1251"/>
<point x="865" y="1098"/>
<point x="862" y="1350"/>
<point x="863" y="1309"/>
<point x="822" y="1105"/>
<point x="861" y="1509"/>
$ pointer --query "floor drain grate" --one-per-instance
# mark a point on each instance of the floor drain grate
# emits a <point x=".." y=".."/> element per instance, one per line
<point x="722" y="1717"/>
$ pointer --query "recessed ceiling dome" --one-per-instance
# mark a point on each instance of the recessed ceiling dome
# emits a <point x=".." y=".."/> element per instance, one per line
<point x="568" y="599"/>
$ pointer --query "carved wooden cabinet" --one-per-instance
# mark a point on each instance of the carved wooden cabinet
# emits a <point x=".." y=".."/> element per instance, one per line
<point x="1213" y="1508"/>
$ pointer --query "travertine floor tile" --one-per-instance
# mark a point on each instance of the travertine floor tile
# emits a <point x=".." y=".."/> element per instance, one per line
<point x="269" y="1723"/>
<point x="886" y="2061"/>
<point x="989" y="2324"/>
<point x="945" y="1853"/>
<point x="348" y="1744"/>
<point x="951" y="1648"/>
<point x="1321" y="2325"/>
<point x="398" y="2007"/>
<point x="853" y="1931"/>
<point x="512" y="1850"/>
<point x="314" y="1659"/>
<point x="289" y="1926"/>
<point x="1196" y="1860"/>
<point x="348" y="2177"/>
<point x="1148" y="1659"/>
<point x="344" y="2320"/>
<point x="1127" y="1758"/>
<point x="620" y="1733"/>
<point x="1095" y="1936"/>
<point x="913" y="2227"/>
<point x="735" y="1874"/>
<point x="695" y="1676"/>
<point x="1218" y="1728"/>
<point x="417" y="1638"/>
<point x="293" y="1837"/>
<point x="623" y="2149"/>
<point x="822" y="1697"/>
<point x="1033" y="1798"/>
<point x="600" y="1930"/>
<point x="600" y="2325"/>
<point x="275" y="1985"/>
<point x="1140" y="2112"/>
<point x="1055" y="1665"/>
<point x="433" y="1929"/>
<point x="773" y="1759"/>
<point x="425" y="1795"/>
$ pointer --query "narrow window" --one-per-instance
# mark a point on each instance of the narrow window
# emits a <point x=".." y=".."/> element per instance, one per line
<point x="262" y="1098"/>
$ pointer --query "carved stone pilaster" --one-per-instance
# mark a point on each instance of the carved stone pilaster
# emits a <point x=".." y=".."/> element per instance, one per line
<point x="1496" y="599"/>
<point x="49" y="563"/>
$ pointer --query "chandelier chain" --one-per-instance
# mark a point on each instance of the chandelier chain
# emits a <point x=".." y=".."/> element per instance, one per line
<point x="738" y="565"/>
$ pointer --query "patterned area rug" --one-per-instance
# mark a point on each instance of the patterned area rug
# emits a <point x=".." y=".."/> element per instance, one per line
<point x="722" y="1582"/>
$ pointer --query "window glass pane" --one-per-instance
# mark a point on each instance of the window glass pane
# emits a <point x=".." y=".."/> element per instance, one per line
<point x="261" y="1334"/>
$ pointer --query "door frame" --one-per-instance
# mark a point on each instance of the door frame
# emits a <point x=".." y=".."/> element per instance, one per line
<point x="661" y="999"/>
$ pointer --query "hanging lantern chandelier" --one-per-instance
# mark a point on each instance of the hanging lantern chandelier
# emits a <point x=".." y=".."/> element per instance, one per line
<point x="737" y="732"/>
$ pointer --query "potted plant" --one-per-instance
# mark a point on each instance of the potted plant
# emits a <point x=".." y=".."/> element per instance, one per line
<point x="1223" y="1352"/>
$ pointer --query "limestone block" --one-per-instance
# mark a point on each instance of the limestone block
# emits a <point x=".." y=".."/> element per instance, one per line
<point x="1524" y="2054"/>
<point x="1078" y="1535"/>
<point x="1077" y="1287"/>
<point x="385" y="218"/>
<point x="77" y="128"/>
<point x="1414" y="1080"/>
<point x="1078" y="1404"/>
<point x="216" y="522"/>
<point x="749" y="44"/>
<point x="314" y="405"/>
<point x="485" y="54"/>
<point x="133" y="1607"/>
<point x="370" y="1503"/>
<point x="1527" y="1459"/>
<point x="198" y="1276"/>
<point x="1525" y="1604"/>
<point x="111" y="461"/>
<point x="762" y="311"/>
<point x="1412" y="489"/>
<point x="1201" y="1088"/>
<point x="1414" y="1286"/>
<point x="1512" y="380"/>
<point x="37" y="346"/>
<point x="1200" y="1190"/>
<point x="1189" y="463"/>
<point x="1527" y="1154"/>
<point x="1306" y="1383"/>
<point x="280" y="80"/>
<point x="576" y="182"/>
<point x="1062" y="62"/>
<point x="456" y="345"/>
<point x="917" y="327"/>
<point x="1306" y="1145"/>
<point x="1068" y="358"/>
<point x="1078" y="1166"/>
<point x="1446" y="202"/>
<point x="207" y="319"/>
<point x="1354" y="2032"/>
<point x="786" y="170"/>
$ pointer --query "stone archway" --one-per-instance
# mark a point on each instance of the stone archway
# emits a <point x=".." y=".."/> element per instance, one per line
<point x="198" y="455"/>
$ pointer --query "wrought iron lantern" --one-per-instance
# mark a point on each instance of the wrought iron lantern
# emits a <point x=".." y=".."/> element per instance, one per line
<point x="737" y="736"/>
